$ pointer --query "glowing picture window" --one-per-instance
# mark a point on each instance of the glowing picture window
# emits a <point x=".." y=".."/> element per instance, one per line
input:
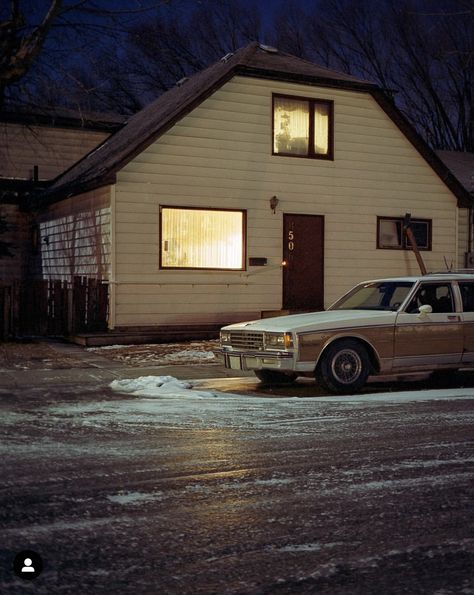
<point x="194" y="238"/>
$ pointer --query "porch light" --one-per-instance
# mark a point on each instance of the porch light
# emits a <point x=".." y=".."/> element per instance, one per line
<point x="274" y="203"/>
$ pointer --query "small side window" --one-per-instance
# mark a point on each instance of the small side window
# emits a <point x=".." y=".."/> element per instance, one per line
<point x="390" y="234"/>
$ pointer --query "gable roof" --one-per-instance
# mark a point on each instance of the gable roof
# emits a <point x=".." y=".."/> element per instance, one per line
<point x="99" y="167"/>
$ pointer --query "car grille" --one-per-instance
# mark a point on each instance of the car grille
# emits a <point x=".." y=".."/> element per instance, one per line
<point x="243" y="340"/>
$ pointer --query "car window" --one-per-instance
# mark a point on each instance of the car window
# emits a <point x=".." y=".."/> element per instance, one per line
<point x="376" y="295"/>
<point x="467" y="293"/>
<point x="437" y="295"/>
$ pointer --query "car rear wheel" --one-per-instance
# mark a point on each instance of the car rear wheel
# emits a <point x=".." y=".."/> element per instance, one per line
<point x="344" y="367"/>
<point x="274" y="377"/>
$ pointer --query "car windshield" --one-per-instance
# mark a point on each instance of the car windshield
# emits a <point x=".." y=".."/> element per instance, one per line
<point x="376" y="295"/>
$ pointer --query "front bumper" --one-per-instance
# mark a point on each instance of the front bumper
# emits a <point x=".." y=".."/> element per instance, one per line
<point x="244" y="360"/>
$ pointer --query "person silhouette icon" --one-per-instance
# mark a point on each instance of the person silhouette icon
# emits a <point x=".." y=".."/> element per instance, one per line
<point x="28" y="565"/>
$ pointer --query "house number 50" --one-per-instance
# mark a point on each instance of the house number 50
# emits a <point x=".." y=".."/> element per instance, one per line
<point x="291" y="242"/>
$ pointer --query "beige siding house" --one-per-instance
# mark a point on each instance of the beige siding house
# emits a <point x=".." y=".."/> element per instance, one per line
<point x="264" y="183"/>
<point x="34" y="150"/>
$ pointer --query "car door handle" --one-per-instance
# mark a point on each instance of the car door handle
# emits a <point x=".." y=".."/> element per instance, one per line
<point x="454" y="318"/>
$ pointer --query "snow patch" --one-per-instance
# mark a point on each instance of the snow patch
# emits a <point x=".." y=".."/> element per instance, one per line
<point x="162" y="354"/>
<point x="305" y="547"/>
<point x="134" y="498"/>
<point x="106" y="347"/>
<point x="158" y="386"/>
<point x="189" y="354"/>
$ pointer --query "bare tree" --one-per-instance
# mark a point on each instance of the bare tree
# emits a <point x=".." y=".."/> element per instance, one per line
<point x="177" y="44"/>
<point x="44" y="45"/>
<point x="435" y="71"/>
<point x="81" y="54"/>
<point x="422" y="51"/>
<point x="20" y="45"/>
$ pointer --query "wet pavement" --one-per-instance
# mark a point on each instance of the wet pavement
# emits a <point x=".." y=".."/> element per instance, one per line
<point x="245" y="490"/>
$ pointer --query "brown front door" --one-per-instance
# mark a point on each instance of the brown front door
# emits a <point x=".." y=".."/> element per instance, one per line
<point x="303" y="255"/>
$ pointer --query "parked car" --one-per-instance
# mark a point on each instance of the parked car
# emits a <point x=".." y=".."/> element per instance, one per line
<point x="384" y="326"/>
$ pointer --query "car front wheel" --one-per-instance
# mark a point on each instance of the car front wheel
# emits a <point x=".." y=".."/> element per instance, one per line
<point x="274" y="377"/>
<point x="344" y="367"/>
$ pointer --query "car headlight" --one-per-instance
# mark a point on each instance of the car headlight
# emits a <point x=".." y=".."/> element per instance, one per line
<point x="225" y="337"/>
<point x="278" y="340"/>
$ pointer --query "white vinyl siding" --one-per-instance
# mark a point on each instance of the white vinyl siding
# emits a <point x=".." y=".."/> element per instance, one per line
<point x="75" y="237"/>
<point x="220" y="156"/>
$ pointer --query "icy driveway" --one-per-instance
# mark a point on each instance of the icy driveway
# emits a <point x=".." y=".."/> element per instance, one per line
<point x="194" y="490"/>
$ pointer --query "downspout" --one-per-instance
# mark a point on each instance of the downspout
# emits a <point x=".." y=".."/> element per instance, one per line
<point x="113" y="259"/>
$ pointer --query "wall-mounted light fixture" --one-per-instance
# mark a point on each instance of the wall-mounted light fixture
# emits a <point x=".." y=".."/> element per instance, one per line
<point x="274" y="203"/>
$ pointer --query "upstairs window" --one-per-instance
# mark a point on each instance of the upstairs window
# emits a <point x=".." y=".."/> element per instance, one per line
<point x="302" y="127"/>
<point x="202" y="239"/>
<point x="390" y="233"/>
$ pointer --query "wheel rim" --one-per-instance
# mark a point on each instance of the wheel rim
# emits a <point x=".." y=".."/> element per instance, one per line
<point x="346" y="366"/>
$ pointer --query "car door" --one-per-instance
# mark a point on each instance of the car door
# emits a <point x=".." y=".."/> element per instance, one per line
<point x="467" y="295"/>
<point x="424" y="340"/>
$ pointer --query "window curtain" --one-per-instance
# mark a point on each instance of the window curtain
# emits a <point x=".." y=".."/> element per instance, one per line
<point x="291" y="126"/>
<point x="321" y="129"/>
<point x="194" y="238"/>
<point x="390" y="233"/>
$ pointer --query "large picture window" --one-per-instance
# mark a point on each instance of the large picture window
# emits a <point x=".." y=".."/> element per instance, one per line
<point x="390" y="233"/>
<point x="202" y="238"/>
<point x="302" y="127"/>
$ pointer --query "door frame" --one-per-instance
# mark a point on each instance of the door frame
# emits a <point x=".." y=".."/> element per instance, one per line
<point x="322" y="221"/>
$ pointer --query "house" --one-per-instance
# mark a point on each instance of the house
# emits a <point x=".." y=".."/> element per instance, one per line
<point x="264" y="183"/>
<point x="34" y="149"/>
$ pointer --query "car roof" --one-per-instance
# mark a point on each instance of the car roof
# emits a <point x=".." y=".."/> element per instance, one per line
<point x="448" y="276"/>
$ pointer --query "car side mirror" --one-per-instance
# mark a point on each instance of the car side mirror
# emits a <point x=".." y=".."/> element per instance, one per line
<point x="424" y="310"/>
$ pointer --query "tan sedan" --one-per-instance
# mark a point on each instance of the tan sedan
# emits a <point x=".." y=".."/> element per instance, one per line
<point x="383" y="326"/>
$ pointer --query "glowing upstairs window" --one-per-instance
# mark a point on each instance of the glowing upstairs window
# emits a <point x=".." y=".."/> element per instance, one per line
<point x="302" y="127"/>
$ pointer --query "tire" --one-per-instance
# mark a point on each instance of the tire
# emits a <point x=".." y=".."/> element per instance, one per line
<point x="344" y="367"/>
<point x="274" y="377"/>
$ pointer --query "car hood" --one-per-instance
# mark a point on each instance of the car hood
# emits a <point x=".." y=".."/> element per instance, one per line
<point x="328" y="319"/>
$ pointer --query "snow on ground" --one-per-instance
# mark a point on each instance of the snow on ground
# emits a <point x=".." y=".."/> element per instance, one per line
<point x="166" y="401"/>
<point x="196" y="352"/>
<point x="168" y="386"/>
<point x="158" y="386"/>
<point x="163" y="401"/>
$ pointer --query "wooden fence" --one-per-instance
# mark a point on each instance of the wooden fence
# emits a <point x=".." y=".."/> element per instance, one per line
<point x="52" y="307"/>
